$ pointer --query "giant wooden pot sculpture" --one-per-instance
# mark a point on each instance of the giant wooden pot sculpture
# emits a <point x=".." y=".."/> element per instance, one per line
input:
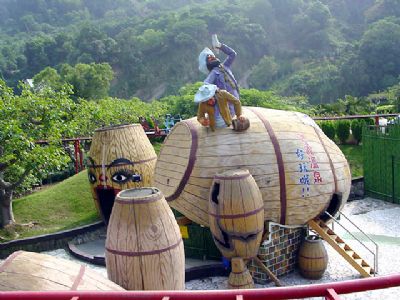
<point x="29" y="271"/>
<point x="144" y="247"/>
<point x="300" y="172"/>
<point x="121" y="157"/>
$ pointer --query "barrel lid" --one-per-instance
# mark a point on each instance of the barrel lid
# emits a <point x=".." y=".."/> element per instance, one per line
<point x="115" y="127"/>
<point x="176" y="159"/>
<point x="139" y="195"/>
<point x="236" y="174"/>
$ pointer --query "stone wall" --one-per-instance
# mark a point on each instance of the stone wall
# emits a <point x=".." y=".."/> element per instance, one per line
<point x="46" y="242"/>
<point x="278" y="252"/>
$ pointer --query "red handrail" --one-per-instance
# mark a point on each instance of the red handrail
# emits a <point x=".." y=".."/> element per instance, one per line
<point x="328" y="290"/>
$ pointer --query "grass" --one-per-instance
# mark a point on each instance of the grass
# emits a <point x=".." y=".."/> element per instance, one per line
<point x="69" y="204"/>
<point x="157" y="147"/>
<point x="354" y="156"/>
<point x="62" y="206"/>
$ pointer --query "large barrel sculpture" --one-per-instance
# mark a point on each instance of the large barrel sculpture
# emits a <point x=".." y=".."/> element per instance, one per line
<point x="144" y="248"/>
<point x="300" y="172"/>
<point x="236" y="214"/>
<point x="29" y="271"/>
<point x="121" y="157"/>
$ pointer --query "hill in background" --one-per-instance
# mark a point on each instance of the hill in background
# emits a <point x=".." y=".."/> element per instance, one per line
<point x="323" y="49"/>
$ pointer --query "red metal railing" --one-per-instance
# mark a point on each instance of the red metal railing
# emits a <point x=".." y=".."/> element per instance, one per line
<point x="328" y="290"/>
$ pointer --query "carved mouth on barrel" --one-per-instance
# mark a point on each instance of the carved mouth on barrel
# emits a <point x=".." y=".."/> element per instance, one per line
<point x="228" y="237"/>
<point x="105" y="198"/>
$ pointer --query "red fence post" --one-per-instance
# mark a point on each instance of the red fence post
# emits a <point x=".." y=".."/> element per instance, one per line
<point x="332" y="295"/>
<point x="376" y="121"/>
<point x="81" y="167"/>
<point x="76" y="154"/>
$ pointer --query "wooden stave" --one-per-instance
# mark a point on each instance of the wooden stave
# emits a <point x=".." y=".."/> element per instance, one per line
<point x="205" y="174"/>
<point x="29" y="271"/>
<point x="134" y="257"/>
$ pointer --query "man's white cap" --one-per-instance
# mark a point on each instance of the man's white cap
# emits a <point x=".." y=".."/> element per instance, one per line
<point x="203" y="60"/>
<point x="205" y="92"/>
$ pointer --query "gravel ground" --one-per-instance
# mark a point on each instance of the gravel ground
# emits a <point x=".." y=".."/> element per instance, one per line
<point x="380" y="220"/>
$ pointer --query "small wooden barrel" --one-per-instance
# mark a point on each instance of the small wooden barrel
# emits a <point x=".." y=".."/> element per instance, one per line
<point x="144" y="248"/>
<point x="240" y="125"/>
<point x="29" y="271"/>
<point x="236" y="213"/>
<point x="240" y="277"/>
<point x="121" y="157"/>
<point x="313" y="258"/>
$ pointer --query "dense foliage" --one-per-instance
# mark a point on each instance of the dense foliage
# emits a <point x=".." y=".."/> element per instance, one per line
<point x="25" y="120"/>
<point x="328" y="127"/>
<point x="356" y="129"/>
<point x="320" y="49"/>
<point x="343" y="130"/>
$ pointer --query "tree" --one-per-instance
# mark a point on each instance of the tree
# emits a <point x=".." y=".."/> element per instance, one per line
<point x="25" y="120"/>
<point x="89" y="81"/>
<point x="48" y="77"/>
<point x="320" y="84"/>
<point x="343" y="130"/>
<point x="380" y="49"/>
<point x="264" y="73"/>
<point x="36" y="52"/>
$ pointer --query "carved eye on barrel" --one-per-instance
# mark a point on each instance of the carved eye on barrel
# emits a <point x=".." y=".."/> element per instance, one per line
<point x="121" y="176"/>
<point x="136" y="178"/>
<point x="92" y="178"/>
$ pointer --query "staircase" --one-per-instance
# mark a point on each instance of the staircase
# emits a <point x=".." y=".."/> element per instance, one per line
<point x="342" y="248"/>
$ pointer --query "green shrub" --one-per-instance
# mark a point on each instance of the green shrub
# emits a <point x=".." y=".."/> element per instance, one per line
<point x="356" y="129"/>
<point x="328" y="128"/>
<point x="369" y="121"/>
<point x="343" y="130"/>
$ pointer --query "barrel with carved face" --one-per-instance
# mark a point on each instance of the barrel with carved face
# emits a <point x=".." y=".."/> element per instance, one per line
<point x="121" y="157"/>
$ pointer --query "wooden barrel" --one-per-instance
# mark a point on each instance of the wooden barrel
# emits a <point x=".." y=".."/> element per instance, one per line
<point x="121" y="157"/>
<point x="313" y="258"/>
<point x="29" y="271"/>
<point x="240" y="277"/>
<point x="144" y="248"/>
<point x="240" y="125"/>
<point x="236" y="213"/>
<point x="298" y="169"/>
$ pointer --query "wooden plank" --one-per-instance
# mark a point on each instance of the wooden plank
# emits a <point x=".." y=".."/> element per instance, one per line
<point x="174" y="160"/>
<point x="261" y="147"/>
<point x="234" y="160"/>
<point x="176" y="152"/>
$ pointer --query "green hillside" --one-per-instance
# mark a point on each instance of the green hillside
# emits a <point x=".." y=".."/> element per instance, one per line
<point x="322" y="49"/>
